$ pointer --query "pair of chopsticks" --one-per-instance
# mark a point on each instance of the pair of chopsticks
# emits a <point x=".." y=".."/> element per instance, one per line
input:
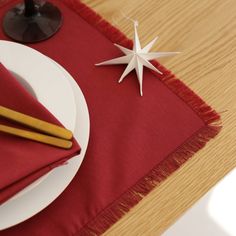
<point x="53" y="134"/>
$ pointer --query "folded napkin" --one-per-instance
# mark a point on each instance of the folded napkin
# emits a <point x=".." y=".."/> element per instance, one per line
<point x="23" y="161"/>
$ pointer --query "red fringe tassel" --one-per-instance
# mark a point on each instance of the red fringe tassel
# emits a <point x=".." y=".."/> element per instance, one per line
<point x="160" y="172"/>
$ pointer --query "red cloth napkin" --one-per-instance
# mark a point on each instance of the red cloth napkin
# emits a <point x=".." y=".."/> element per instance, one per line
<point x="23" y="161"/>
<point x="135" y="142"/>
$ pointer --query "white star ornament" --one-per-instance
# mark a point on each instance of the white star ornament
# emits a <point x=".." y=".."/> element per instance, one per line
<point x="137" y="58"/>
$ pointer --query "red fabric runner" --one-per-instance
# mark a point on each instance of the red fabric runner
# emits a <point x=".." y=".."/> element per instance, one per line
<point x="135" y="142"/>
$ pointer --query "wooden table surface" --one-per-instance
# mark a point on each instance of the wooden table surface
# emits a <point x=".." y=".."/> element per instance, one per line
<point x="205" y="32"/>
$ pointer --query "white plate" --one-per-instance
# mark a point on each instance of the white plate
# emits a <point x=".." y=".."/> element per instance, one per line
<point x="53" y="89"/>
<point x="19" y="58"/>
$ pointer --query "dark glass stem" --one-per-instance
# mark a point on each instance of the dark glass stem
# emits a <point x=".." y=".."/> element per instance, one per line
<point x="30" y="9"/>
<point x="32" y="21"/>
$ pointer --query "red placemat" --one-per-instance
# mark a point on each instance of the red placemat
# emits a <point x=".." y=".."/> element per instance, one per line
<point x="135" y="142"/>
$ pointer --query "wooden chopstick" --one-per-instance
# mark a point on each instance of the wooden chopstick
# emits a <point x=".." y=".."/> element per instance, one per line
<point x="35" y="123"/>
<point x="42" y="138"/>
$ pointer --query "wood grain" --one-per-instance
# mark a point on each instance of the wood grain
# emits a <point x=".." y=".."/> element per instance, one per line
<point x="205" y="32"/>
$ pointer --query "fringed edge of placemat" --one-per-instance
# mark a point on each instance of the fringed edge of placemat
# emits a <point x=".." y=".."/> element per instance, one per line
<point x="109" y="216"/>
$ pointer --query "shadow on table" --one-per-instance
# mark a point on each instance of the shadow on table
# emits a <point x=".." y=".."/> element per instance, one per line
<point x="197" y="222"/>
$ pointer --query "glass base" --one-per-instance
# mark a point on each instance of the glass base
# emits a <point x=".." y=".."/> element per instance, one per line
<point x="42" y="25"/>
